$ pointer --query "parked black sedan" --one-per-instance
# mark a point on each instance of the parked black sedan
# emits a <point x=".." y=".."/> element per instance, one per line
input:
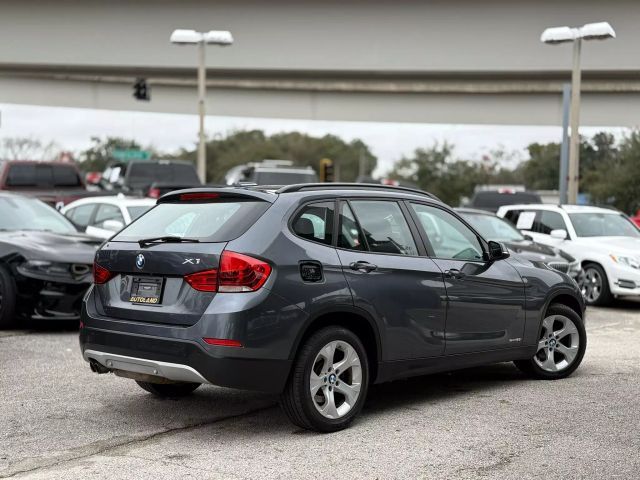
<point x="495" y="228"/>
<point x="45" y="264"/>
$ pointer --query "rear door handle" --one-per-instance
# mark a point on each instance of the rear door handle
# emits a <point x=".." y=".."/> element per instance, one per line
<point x="453" y="273"/>
<point x="363" y="266"/>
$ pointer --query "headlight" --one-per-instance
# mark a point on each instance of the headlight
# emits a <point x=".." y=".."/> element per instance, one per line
<point x="69" y="271"/>
<point x="628" y="261"/>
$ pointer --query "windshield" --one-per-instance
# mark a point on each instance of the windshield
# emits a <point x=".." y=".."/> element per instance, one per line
<point x="146" y="173"/>
<point x="603" y="225"/>
<point x="207" y="222"/>
<point x="19" y="213"/>
<point x="43" y="176"/>
<point x="493" y="228"/>
<point x="494" y="200"/>
<point x="137" y="211"/>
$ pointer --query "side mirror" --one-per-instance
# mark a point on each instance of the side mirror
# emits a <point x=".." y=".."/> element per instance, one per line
<point x="560" y="234"/>
<point x="113" y="225"/>
<point x="497" y="250"/>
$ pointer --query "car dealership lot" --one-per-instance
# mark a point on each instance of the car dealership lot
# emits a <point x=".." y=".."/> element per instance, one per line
<point x="59" y="420"/>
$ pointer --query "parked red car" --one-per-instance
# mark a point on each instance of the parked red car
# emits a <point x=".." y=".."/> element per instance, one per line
<point x="636" y="218"/>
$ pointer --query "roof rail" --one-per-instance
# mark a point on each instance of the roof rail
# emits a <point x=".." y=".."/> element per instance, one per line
<point x="352" y="186"/>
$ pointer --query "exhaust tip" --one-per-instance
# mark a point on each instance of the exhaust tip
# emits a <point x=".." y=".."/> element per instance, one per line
<point x="97" y="367"/>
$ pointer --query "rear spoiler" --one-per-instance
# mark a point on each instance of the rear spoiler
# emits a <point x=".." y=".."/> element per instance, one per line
<point x="202" y="195"/>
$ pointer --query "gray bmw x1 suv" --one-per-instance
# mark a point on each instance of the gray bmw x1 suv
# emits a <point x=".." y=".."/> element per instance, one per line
<point x="315" y="292"/>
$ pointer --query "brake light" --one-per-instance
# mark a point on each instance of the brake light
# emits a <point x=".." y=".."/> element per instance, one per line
<point x="198" y="196"/>
<point x="237" y="273"/>
<point x="241" y="273"/>
<point x="101" y="275"/>
<point x="154" y="192"/>
<point x="205" y="281"/>
<point x="222" y="342"/>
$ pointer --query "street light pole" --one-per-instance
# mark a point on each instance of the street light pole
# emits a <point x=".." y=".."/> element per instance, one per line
<point x="574" y="151"/>
<point x="202" y="93"/>
<point x="201" y="39"/>
<point x="556" y="35"/>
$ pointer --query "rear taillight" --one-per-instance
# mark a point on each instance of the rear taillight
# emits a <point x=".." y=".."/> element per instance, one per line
<point x="154" y="193"/>
<point x="237" y="273"/>
<point x="206" y="281"/>
<point x="241" y="273"/>
<point x="101" y="275"/>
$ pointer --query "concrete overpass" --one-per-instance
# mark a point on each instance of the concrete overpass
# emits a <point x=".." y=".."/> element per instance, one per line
<point x="437" y="61"/>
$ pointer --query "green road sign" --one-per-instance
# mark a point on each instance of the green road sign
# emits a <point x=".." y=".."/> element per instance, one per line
<point x="126" y="155"/>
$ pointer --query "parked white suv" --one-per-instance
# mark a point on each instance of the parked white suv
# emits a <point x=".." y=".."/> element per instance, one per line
<point x="605" y="242"/>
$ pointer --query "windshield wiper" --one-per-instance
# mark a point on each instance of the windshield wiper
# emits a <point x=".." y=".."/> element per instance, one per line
<point x="166" y="239"/>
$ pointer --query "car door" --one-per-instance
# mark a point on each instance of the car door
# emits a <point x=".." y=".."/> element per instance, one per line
<point x="381" y="259"/>
<point x="485" y="299"/>
<point x="81" y="215"/>
<point x="107" y="221"/>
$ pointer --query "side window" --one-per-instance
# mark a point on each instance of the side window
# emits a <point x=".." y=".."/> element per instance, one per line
<point x="547" y="221"/>
<point x="384" y="227"/>
<point x="107" y="212"/>
<point x="349" y="234"/>
<point x="512" y="216"/>
<point x="449" y="237"/>
<point x="81" y="215"/>
<point x="315" y="222"/>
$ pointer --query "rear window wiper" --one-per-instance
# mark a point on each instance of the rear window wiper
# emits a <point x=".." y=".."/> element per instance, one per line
<point x="166" y="239"/>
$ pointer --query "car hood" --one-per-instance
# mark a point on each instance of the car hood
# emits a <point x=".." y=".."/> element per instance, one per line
<point x="615" y="245"/>
<point x="54" y="247"/>
<point x="537" y="252"/>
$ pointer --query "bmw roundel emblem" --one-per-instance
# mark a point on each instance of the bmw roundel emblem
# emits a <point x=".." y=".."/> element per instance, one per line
<point x="140" y="261"/>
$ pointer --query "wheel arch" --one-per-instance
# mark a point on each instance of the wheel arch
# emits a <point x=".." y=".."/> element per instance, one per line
<point x="567" y="300"/>
<point x="352" y="318"/>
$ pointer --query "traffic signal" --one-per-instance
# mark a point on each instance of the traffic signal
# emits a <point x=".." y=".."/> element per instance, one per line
<point x="326" y="170"/>
<point x="141" y="90"/>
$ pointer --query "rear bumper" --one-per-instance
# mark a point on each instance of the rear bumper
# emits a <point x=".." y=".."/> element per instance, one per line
<point x="181" y="360"/>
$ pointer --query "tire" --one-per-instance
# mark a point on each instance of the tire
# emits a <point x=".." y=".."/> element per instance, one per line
<point x="168" y="389"/>
<point x="595" y="276"/>
<point x="340" y="394"/>
<point x="574" y="342"/>
<point x="7" y="299"/>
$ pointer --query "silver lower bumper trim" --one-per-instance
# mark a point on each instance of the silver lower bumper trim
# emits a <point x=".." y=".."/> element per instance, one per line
<point x="171" y="371"/>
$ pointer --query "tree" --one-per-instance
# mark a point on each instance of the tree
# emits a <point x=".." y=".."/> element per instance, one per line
<point x="96" y="157"/>
<point x="242" y="147"/>
<point x="27" y="148"/>
<point x="435" y="170"/>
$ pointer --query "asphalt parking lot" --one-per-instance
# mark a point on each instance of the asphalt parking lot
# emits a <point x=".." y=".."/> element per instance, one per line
<point x="59" y="420"/>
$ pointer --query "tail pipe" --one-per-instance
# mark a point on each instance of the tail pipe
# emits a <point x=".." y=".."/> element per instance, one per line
<point x="97" y="367"/>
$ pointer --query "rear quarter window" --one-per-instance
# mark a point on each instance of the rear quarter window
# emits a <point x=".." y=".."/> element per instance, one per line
<point x="207" y="222"/>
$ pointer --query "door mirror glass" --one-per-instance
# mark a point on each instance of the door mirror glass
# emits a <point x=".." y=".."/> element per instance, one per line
<point x="497" y="250"/>
<point x="560" y="234"/>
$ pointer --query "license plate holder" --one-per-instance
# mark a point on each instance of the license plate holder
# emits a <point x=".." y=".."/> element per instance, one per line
<point x="146" y="290"/>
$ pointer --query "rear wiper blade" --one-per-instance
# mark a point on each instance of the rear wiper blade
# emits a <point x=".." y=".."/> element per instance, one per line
<point x="166" y="239"/>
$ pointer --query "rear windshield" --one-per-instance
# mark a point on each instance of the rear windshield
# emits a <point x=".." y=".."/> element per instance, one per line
<point x="284" y="178"/>
<point x="494" y="200"/>
<point x="207" y="222"/>
<point x="145" y="173"/>
<point x="43" y="176"/>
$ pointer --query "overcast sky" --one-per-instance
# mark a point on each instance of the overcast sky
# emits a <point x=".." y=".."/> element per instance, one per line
<point x="72" y="128"/>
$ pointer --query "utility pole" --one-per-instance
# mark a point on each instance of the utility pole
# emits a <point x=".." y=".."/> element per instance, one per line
<point x="574" y="151"/>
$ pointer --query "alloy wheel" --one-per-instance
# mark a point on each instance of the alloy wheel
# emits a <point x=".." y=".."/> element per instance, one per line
<point x="336" y="379"/>
<point x="591" y="285"/>
<point x="558" y="345"/>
